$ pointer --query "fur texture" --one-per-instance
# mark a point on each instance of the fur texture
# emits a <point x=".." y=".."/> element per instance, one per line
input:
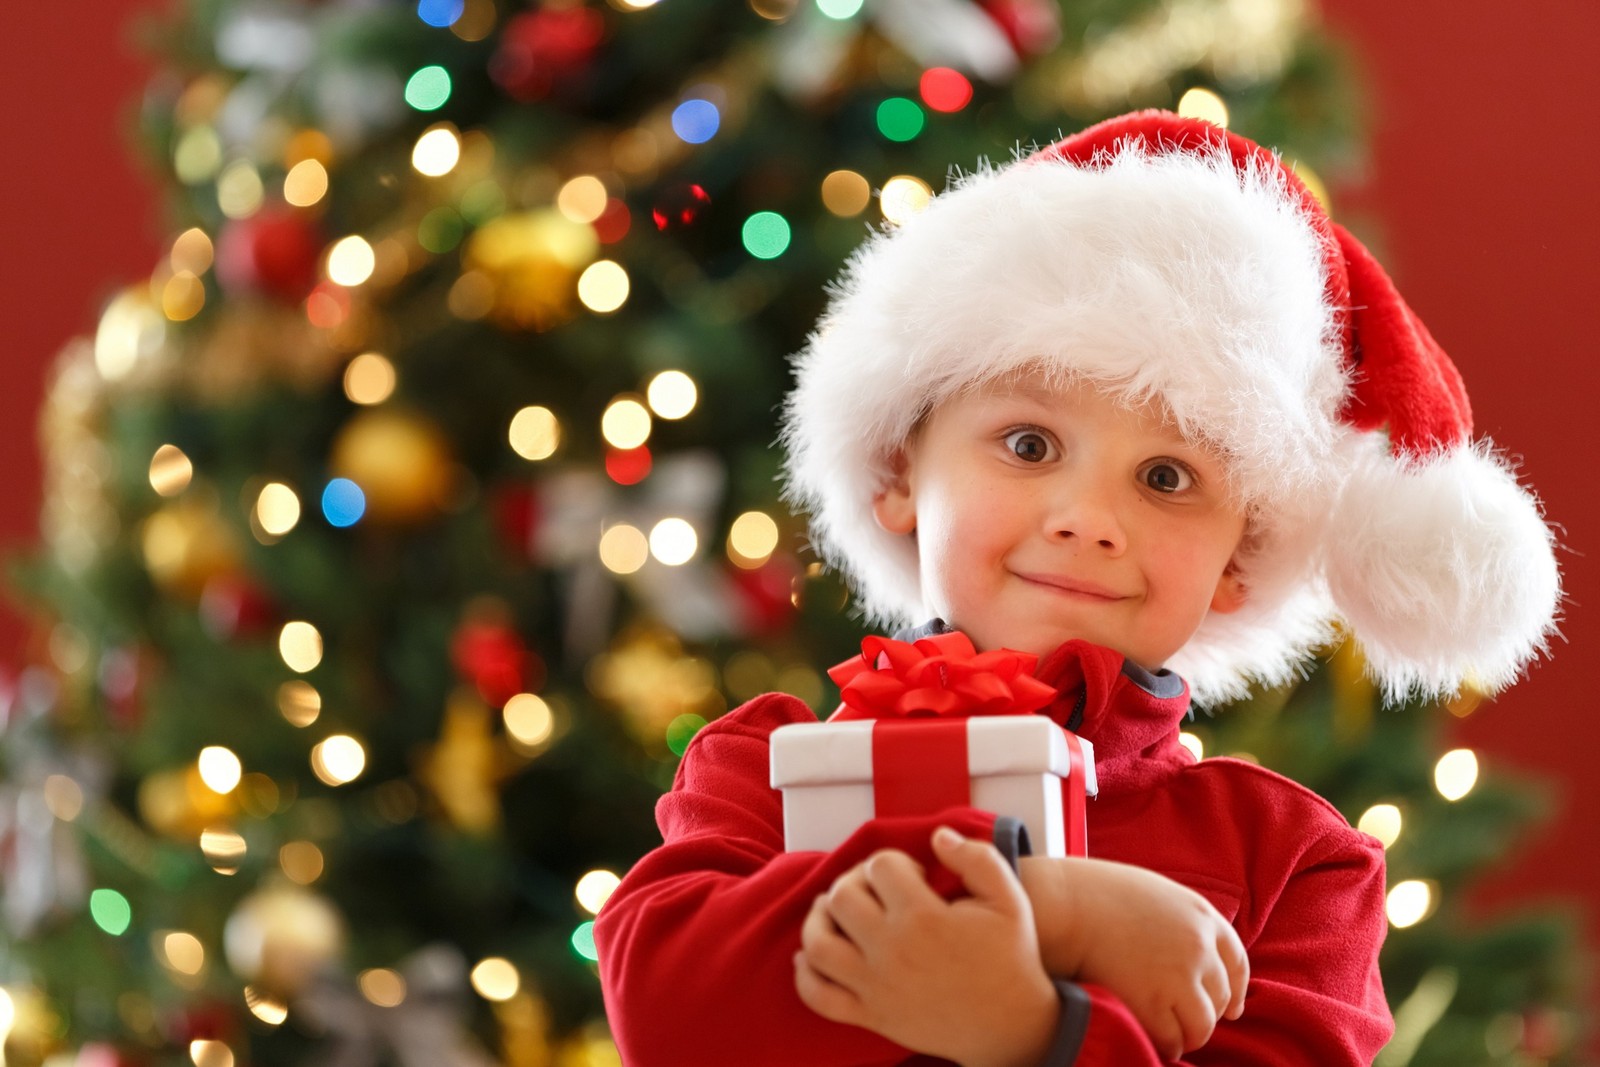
<point x="1170" y="274"/>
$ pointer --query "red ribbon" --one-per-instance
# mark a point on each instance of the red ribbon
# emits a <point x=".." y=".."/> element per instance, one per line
<point x="920" y="766"/>
<point x="939" y="675"/>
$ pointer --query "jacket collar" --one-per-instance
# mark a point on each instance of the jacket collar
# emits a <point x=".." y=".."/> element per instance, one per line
<point x="1130" y="715"/>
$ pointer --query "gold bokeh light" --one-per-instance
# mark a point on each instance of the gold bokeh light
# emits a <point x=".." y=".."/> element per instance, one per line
<point x="306" y="183"/>
<point x="846" y="193"/>
<point x="300" y="645"/>
<point x="535" y="433"/>
<point x="625" y="423"/>
<point x="170" y="470"/>
<point x="672" y="394"/>
<point x="369" y="379"/>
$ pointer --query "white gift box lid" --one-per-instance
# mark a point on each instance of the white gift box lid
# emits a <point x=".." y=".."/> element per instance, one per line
<point x="836" y="753"/>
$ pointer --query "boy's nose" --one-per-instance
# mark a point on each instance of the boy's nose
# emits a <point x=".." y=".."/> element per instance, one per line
<point x="1088" y="513"/>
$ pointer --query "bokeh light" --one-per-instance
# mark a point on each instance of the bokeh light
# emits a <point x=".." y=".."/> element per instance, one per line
<point x="535" y="433"/>
<point x="220" y="769"/>
<point x="300" y="645"/>
<point x="839" y="9"/>
<point x="528" y="719"/>
<point x="343" y="502"/>
<point x="382" y="986"/>
<point x="603" y="286"/>
<point x="752" y="539"/>
<point x="277" y="509"/>
<point x="583" y="942"/>
<point x="673" y="541"/>
<point x="267" y="1008"/>
<point x="671" y="394"/>
<point x="351" y="261"/>
<point x="496" y="978"/>
<point x="944" y="89"/>
<point x="170" y="470"/>
<point x="223" y="848"/>
<point x="110" y="911"/>
<point x="437" y="151"/>
<point x="369" y="379"/>
<point x="1408" y="903"/>
<point x="904" y="196"/>
<point x="594" y="889"/>
<point x="299" y="703"/>
<point x="1193" y="743"/>
<point x="301" y="861"/>
<point x="1382" y="821"/>
<point x="183" y="296"/>
<point x="625" y="423"/>
<point x="582" y="199"/>
<point x="696" y="121"/>
<point x="204" y="1052"/>
<point x="239" y="189"/>
<point x="192" y="251"/>
<point x="846" y="193"/>
<point x="900" y="119"/>
<point x="766" y="234"/>
<point x="681" y="730"/>
<point x="183" y="952"/>
<point x="1456" y="773"/>
<point x="1200" y="103"/>
<point x="306" y="183"/>
<point x="428" y="89"/>
<point x="624" y="548"/>
<point x="338" y="760"/>
<point x="440" y="13"/>
<point x="63" y="796"/>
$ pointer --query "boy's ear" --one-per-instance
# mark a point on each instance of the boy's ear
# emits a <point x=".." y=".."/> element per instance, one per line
<point x="894" y="506"/>
<point x="1231" y="594"/>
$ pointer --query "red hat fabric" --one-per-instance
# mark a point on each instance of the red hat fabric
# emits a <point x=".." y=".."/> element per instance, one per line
<point x="1164" y="256"/>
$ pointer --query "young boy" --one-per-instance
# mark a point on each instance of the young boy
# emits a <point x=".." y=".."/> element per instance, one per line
<point x="1133" y="406"/>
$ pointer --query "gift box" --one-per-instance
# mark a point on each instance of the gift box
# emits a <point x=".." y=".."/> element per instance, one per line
<point x="837" y="775"/>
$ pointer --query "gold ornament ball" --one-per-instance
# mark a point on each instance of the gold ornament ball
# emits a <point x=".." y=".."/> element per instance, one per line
<point x="179" y="804"/>
<point x="279" y="937"/>
<point x="186" y="544"/>
<point x="400" y="460"/>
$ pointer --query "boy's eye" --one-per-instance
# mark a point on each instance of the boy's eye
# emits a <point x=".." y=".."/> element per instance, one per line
<point x="1165" y="477"/>
<point x="1030" y="445"/>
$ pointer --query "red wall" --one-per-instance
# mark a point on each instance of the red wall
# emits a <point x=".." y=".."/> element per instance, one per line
<point x="1485" y="150"/>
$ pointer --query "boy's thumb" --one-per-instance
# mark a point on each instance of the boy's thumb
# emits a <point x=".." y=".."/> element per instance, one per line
<point x="978" y="864"/>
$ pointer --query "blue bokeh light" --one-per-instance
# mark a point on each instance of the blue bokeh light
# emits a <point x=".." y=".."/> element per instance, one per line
<point x="440" y="13"/>
<point x="343" y="502"/>
<point x="696" y="120"/>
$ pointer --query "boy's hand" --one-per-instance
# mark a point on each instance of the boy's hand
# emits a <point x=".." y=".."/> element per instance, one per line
<point x="1160" y="946"/>
<point x="959" y="979"/>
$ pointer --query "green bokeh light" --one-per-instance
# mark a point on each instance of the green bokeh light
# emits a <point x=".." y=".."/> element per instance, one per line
<point x="900" y="119"/>
<point x="839" y="9"/>
<point x="681" y="730"/>
<point x="110" y="911"/>
<point x="428" y="88"/>
<point x="766" y="234"/>
<point x="583" y="942"/>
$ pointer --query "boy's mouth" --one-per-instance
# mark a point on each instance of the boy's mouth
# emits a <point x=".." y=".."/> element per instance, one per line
<point x="1070" y="586"/>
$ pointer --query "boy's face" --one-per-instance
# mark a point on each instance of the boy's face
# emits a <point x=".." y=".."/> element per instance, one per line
<point x="1043" y="514"/>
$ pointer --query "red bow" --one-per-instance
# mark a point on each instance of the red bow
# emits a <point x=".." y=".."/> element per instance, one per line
<point x="939" y="675"/>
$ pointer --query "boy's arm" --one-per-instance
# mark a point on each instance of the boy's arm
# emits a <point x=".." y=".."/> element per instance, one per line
<point x="1315" y="996"/>
<point x="696" y="946"/>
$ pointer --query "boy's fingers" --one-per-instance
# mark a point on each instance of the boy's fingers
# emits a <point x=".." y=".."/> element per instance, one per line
<point x="856" y="910"/>
<point x="1238" y="963"/>
<point x="898" y="881"/>
<point x="978" y="864"/>
<point x="828" y="999"/>
<point x="827" y="951"/>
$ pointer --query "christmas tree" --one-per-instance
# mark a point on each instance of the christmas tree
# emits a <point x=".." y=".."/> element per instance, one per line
<point x="406" y="522"/>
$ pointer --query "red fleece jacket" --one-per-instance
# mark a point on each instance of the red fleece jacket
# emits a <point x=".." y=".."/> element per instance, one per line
<point x="696" y="945"/>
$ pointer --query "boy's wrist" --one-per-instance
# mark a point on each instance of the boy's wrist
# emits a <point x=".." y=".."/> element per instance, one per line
<point x="1054" y="893"/>
<point x="1038" y="1020"/>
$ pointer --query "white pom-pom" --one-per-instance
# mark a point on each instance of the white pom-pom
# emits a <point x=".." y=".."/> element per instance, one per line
<point x="1444" y="569"/>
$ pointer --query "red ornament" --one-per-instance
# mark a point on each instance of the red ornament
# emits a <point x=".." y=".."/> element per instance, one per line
<point x="274" y="252"/>
<point x="628" y="466"/>
<point x="489" y="654"/>
<point x="612" y="225"/>
<point x="680" y="207"/>
<point x="232" y="606"/>
<point x="1032" y="26"/>
<point x="541" y="50"/>
<point x="944" y="89"/>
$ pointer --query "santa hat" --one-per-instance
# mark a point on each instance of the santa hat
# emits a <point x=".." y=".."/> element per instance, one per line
<point x="1163" y="256"/>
